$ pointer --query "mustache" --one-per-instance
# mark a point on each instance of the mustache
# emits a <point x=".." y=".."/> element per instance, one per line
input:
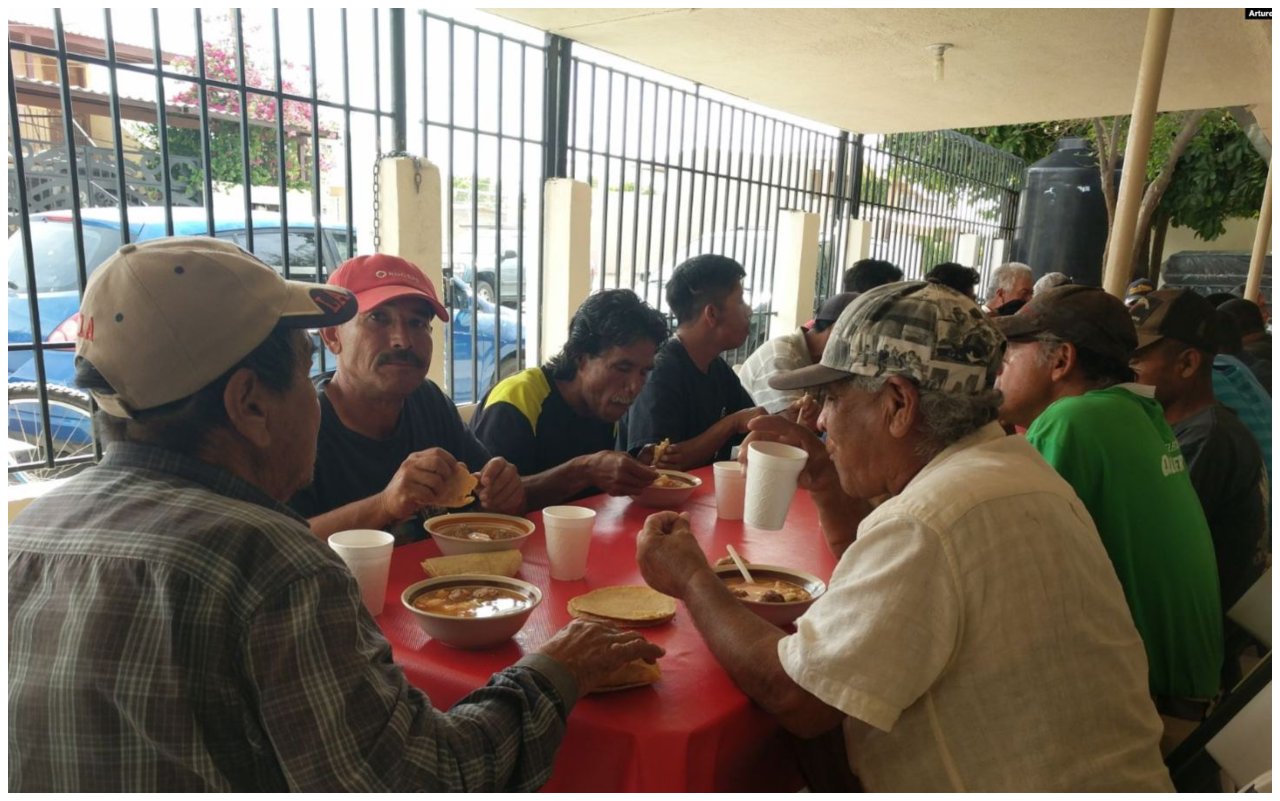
<point x="400" y="357"/>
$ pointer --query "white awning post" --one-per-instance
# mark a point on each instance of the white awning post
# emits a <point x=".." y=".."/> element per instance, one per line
<point x="1137" y="151"/>
<point x="1261" y="240"/>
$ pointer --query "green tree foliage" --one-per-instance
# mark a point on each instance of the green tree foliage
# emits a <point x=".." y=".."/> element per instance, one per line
<point x="225" y="161"/>
<point x="1032" y="141"/>
<point x="1220" y="176"/>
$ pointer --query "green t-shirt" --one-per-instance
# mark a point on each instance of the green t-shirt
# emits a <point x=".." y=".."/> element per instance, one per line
<point x="1115" y="448"/>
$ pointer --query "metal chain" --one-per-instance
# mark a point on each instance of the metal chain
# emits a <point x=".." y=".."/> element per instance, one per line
<point x="377" y="205"/>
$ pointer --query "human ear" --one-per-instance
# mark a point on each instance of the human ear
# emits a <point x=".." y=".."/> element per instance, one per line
<point x="246" y="409"/>
<point x="329" y="336"/>
<point x="1188" y="363"/>
<point x="902" y="399"/>
<point x="1064" y="360"/>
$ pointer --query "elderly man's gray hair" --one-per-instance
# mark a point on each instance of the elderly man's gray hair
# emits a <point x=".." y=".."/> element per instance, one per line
<point x="946" y="417"/>
<point x="1005" y="276"/>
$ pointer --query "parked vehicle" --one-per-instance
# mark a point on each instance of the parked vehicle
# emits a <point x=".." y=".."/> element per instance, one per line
<point x="489" y="282"/>
<point x="57" y="299"/>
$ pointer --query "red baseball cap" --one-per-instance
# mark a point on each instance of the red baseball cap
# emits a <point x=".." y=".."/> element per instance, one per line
<point x="380" y="277"/>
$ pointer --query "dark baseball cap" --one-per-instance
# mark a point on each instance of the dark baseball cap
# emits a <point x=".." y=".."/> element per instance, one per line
<point x="830" y="309"/>
<point x="1083" y="315"/>
<point x="1179" y="314"/>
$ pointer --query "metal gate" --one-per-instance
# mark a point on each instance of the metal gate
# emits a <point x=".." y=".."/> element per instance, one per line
<point x="265" y="126"/>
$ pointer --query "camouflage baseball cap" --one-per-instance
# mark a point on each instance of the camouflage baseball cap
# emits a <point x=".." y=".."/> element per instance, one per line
<point x="927" y="332"/>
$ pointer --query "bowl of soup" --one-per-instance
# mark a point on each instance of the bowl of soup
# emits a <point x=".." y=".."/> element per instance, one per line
<point x="778" y="594"/>
<point x="472" y="612"/>
<point x="671" y="489"/>
<point x="476" y="532"/>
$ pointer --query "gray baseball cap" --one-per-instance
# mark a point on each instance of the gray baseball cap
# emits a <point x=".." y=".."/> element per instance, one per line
<point x="927" y="332"/>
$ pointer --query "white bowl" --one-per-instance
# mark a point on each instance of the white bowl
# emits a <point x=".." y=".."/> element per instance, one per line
<point x="451" y="545"/>
<point x="779" y="614"/>
<point x="668" y="498"/>
<point x="472" y="633"/>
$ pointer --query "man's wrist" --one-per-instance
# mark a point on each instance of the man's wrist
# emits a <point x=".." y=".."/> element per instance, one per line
<point x="556" y="675"/>
<point x="585" y="470"/>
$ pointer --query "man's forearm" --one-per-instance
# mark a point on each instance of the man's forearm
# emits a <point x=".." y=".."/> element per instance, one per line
<point x="701" y="450"/>
<point x="560" y="482"/>
<point x="367" y="513"/>
<point x="746" y="646"/>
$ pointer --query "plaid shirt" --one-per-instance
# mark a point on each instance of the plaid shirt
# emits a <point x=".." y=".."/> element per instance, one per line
<point x="787" y="352"/>
<point x="173" y="628"/>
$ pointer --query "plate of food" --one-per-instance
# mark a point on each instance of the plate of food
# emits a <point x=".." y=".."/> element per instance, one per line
<point x="669" y="490"/>
<point x="476" y="532"/>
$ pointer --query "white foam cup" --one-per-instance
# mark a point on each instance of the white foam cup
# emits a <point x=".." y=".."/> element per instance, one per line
<point x="367" y="554"/>
<point x="772" y="471"/>
<point x="568" y="531"/>
<point x="731" y="485"/>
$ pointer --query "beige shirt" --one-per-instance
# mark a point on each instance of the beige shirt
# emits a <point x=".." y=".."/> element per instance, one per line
<point x="977" y="624"/>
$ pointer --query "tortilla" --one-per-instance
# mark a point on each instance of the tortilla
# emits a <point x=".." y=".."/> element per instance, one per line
<point x="660" y="450"/>
<point x="623" y="624"/>
<point x="633" y="674"/>
<point x="489" y="563"/>
<point x="457" y="490"/>
<point x="624" y="606"/>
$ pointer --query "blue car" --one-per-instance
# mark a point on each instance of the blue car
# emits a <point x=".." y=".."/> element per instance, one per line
<point x="58" y="304"/>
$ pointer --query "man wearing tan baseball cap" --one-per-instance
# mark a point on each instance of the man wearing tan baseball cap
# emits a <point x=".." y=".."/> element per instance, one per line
<point x="175" y="627"/>
<point x="392" y="446"/>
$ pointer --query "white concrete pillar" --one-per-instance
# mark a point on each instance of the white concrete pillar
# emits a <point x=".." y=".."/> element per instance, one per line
<point x="995" y="257"/>
<point x="966" y="251"/>
<point x="409" y="225"/>
<point x="859" y="243"/>
<point x="795" y="272"/>
<point x="1261" y="239"/>
<point x="1137" y="151"/>
<point x="566" y="261"/>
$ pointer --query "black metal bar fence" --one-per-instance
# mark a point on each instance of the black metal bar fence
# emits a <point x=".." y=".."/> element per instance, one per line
<point x="205" y="133"/>
<point x="257" y="120"/>
<point x="921" y="191"/>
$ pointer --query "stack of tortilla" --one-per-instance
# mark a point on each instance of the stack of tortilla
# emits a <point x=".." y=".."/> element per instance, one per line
<point x="625" y="606"/>
<point x="488" y="563"/>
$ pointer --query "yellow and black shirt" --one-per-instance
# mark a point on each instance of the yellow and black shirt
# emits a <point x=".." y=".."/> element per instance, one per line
<point x="526" y="420"/>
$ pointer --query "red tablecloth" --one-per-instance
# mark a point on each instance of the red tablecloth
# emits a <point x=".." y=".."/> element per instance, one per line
<point x="692" y="731"/>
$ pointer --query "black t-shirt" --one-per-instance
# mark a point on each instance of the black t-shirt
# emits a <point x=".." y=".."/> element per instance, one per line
<point x="1226" y="470"/>
<point x="526" y="420"/>
<point x="351" y="467"/>
<point x="679" y="401"/>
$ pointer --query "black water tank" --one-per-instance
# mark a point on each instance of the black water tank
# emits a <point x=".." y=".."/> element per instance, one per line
<point x="1062" y="216"/>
